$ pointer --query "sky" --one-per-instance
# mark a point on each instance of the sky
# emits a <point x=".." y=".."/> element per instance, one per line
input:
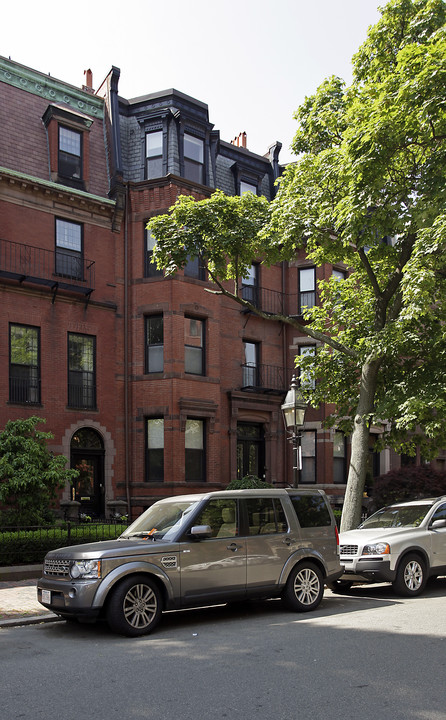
<point x="251" y="61"/>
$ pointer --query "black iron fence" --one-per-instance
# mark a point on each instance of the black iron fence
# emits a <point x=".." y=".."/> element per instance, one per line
<point x="28" y="545"/>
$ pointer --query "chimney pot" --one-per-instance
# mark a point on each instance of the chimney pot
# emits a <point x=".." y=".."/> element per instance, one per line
<point x="88" y="81"/>
<point x="240" y="140"/>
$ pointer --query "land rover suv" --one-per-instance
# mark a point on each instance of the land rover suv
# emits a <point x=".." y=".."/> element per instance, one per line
<point x="194" y="550"/>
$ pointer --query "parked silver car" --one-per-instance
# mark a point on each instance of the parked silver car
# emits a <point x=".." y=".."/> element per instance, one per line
<point x="194" y="550"/>
<point x="404" y="544"/>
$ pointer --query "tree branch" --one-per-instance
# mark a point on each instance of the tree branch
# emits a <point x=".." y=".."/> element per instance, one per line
<point x="288" y="319"/>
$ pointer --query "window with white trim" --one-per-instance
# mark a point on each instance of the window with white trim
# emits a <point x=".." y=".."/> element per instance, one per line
<point x="250" y="285"/>
<point x="70" y="154"/>
<point x="193" y="158"/>
<point x="81" y="371"/>
<point x="308" y="473"/>
<point x="154" y="154"/>
<point x="195" y="466"/>
<point x="307" y="288"/>
<point x="154" y="328"/>
<point x="247" y="187"/>
<point x="194" y="359"/>
<point x="150" y="269"/>
<point x="69" y="259"/>
<point x="155" y="449"/>
<point x="339" y="458"/>
<point x="24" y="364"/>
<point x="306" y="376"/>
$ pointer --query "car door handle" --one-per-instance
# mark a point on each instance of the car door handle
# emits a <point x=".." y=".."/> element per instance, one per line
<point x="234" y="547"/>
<point x="288" y="541"/>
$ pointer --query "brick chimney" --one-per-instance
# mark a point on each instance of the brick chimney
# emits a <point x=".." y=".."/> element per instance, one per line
<point x="240" y="140"/>
<point x="88" y="87"/>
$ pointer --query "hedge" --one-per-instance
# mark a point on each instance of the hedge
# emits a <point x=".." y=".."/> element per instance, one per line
<point x="27" y="546"/>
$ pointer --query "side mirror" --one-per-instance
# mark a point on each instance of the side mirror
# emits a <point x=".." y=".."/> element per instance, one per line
<point x="438" y="524"/>
<point x="201" y="532"/>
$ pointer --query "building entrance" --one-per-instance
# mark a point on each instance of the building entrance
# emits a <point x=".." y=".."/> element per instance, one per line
<point x="250" y="450"/>
<point x="87" y="456"/>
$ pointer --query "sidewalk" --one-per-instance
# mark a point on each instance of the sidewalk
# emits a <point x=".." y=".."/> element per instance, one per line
<point x="19" y="604"/>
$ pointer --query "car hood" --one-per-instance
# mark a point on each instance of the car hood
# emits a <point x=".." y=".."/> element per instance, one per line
<point x="111" y="548"/>
<point x="362" y="537"/>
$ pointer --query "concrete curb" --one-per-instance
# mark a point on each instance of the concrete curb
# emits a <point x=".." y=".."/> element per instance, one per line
<point x="21" y="572"/>
<point x="29" y="620"/>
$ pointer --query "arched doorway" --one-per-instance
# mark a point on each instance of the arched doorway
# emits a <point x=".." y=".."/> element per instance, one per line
<point x="87" y="456"/>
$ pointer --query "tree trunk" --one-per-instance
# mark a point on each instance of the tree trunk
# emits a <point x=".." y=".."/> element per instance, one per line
<point x="351" y="512"/>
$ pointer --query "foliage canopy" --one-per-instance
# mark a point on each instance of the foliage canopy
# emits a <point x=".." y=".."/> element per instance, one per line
<point x="367" y="193"/>
<point x="408" y="483"/>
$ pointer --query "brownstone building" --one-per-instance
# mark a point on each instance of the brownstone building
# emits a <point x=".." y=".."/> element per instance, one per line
<point x="61" y="284"/>
<point x="151" y="385"/>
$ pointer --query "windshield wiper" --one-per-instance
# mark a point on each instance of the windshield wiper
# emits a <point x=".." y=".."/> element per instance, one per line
<point x="143" y="534"/>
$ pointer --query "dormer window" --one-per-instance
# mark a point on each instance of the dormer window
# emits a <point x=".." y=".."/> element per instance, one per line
<point x="70" y="153"/>
<point x="247" y="187"/>
<point x="154" y="154"/>
<point x="68" y="145"/>
<point x="193" y="158"/>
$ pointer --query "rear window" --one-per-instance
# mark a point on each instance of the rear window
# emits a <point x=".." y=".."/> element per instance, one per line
<point x="311" y="510"/>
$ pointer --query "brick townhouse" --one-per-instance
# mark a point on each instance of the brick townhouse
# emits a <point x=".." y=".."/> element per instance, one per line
<point x="150" y="385"/>
<point x="61" y="277"/>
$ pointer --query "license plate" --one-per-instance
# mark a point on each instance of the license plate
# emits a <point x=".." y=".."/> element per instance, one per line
<point x="46" y="596"/>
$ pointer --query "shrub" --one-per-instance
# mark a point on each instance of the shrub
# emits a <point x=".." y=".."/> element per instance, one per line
<point x="408" y="483"/>
<point x="337" y="512"/>
<point x="249" y="482"/>
<point x="30" y="474"/>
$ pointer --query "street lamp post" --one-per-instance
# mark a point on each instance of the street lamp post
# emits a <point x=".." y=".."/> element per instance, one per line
<point x="293" y="410"/>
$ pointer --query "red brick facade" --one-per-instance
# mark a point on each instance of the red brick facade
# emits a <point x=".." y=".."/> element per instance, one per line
<point x="96" y="387"/>
<point x="57" y="305"/>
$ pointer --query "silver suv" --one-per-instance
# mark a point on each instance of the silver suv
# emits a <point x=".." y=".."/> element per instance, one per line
<point x="403" y="544"/>
<point x="194" y="550"/>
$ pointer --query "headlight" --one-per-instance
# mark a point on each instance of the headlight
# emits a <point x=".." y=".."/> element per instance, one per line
<point x="379" y="548"/>
<point x="85" y="569"/>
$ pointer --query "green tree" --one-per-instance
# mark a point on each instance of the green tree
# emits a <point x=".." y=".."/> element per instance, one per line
<point x="249" y="482"/>
<point x="30" y="474"/>
<point x="367" y="191"/>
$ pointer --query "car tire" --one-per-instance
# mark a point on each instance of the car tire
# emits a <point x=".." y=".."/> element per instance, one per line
<point x="134" y="607"/>
<point x="304" y="589"/>
<point x="340" y="586"/>
<point x="411" y="576"/>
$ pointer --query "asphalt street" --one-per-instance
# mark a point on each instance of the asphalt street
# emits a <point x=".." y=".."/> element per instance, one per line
<point x="369" y="655"/>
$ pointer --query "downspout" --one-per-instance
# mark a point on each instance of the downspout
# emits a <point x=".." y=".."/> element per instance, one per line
<point x="126" y="356"/>
<point x="285" y="365"/>
<point x="118" y="170"/>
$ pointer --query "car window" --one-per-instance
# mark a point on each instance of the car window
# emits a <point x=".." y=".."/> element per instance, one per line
<point x="221" y="516"/>
<point x="311" y="510"/>
<point x="397" y="516"/>
<point x="440" y="513"/>
<point x="265" y="516"/>
<point x="161" y="520"/>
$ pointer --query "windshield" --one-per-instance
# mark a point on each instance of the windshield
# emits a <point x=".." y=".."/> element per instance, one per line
<point x="397" y="516"/>
<point x="161" y="520"/>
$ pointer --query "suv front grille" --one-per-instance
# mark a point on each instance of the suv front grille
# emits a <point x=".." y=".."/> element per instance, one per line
<point x="349" y="549"/>
<point x="59" y="568"/>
